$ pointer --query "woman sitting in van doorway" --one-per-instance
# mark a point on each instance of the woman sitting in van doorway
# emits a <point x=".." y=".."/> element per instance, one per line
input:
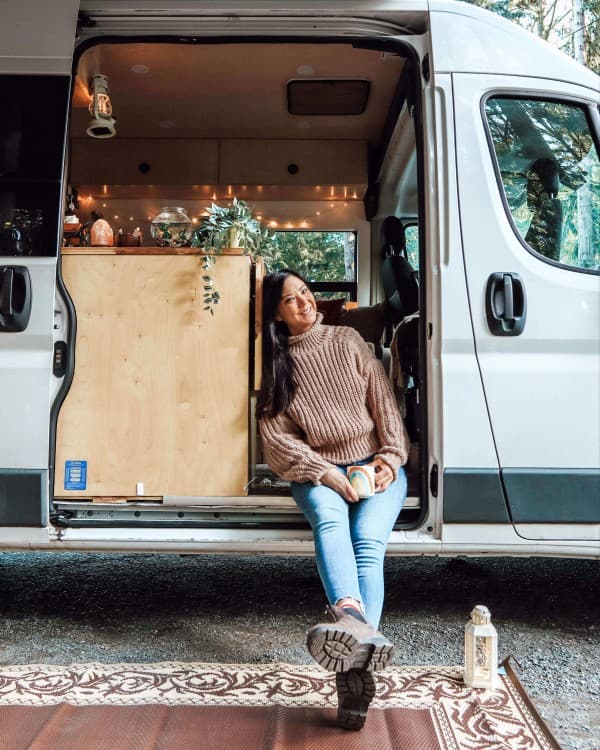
<point x="326" y="404"/>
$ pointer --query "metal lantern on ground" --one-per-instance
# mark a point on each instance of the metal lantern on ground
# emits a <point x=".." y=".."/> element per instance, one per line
<point x="481" y="650"/>
<point x="102" y="124"/>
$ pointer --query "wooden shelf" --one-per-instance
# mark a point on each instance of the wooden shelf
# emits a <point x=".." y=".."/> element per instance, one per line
<point x="150" y="250"/>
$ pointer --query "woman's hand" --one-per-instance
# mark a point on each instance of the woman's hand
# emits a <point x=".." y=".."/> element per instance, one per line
<point x="338" y="482"/>
<point x="384" y="475"/>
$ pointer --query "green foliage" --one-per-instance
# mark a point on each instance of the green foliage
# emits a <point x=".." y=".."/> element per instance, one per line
<point x="225" y="225"/>
<point x="231" y="225"/>
<point x="318" y="256"/>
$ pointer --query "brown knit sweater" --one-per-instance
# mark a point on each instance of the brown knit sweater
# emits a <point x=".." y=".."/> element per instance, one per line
<point x="343" y="409"/>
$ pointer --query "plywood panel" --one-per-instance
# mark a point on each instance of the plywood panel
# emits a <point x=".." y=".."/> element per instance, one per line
<point x="160" y="393"/>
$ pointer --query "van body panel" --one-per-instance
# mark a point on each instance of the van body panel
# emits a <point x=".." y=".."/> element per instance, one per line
<point x="538" y="496"/>
<point x="38" y="38"/>
<point x="474" y="496"/>
<point x="462" y="438"/>
<point x="501" y="539"/>
<point x="541" y="386"/>
<point x="26" y="372"/>
<point x="33" y="40"/>
<point x="466" y="38"/>
<point x="23" y="498"/>
<point x="459" y="539"/>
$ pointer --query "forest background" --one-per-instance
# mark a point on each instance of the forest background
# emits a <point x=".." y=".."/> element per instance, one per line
<point x="573" y="26"/>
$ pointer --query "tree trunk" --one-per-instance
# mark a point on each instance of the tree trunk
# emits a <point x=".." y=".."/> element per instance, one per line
<point x="584" y="226"/>
<point x="578" y="35"/>
<point x="349" y="242"/>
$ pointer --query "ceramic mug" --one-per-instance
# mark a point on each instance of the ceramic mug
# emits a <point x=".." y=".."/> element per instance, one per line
<point x="362" y="478"/>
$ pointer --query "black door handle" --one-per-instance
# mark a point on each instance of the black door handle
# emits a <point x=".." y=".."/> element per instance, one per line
<point x="6" y="293"/>
<point x="15" y="298"/>
<point x="505" y="304"/>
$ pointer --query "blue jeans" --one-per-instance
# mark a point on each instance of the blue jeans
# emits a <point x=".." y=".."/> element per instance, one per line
<point x="351" y="539"/>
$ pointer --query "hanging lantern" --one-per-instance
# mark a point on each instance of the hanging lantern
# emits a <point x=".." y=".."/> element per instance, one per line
<point x="481" y="650"/>
<point x="102" y="124"/>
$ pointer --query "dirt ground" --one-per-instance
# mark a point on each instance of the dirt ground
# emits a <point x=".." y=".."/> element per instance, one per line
<point x="64" y="608"/>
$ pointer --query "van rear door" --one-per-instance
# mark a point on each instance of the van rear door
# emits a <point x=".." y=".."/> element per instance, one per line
<point x="36" y="49"/>
<point x="527" y="159"/>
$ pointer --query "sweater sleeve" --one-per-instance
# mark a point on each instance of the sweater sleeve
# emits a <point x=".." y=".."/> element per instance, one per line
<point x="288" y="454"/>
<point x="382" y="405"/>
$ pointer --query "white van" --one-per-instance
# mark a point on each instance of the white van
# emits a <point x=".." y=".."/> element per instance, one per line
<point x="438" y="147"/>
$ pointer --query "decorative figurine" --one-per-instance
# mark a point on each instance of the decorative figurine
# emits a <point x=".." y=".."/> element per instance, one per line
<point x="101" y="233"/>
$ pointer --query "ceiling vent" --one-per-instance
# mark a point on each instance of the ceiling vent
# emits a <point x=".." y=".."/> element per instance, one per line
<point x="328" y="96"/>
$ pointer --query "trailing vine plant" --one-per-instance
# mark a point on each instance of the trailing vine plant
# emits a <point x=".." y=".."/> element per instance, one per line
<point x="231" y="225"/>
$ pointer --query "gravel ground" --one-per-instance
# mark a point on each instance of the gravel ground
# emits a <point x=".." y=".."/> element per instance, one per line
<point x="65" y="608"/>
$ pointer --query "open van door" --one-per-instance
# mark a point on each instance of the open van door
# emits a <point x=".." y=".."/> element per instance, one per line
<point x="36" y="49"/>
<point x="526" y="161"/>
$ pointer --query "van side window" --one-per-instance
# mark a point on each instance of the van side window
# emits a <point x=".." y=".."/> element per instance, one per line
<point x="32" y="136"/>
<point x="326" y="259"/>
<point x="548" y="163"/>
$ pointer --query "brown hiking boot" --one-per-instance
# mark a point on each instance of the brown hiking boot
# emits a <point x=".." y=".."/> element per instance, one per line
<point x="349" y="642"/>
<point x="355" y="691"/>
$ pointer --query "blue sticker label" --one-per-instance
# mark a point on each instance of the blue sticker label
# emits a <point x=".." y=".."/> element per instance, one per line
<point x="75" y="475"/>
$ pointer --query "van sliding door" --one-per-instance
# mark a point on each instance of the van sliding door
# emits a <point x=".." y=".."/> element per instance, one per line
<point x="36" y="47"/>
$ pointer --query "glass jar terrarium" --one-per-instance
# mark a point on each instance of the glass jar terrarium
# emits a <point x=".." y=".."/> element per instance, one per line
<point x="172" y="227"/>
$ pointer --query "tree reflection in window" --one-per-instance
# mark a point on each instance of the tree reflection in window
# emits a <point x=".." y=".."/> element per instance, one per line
<point x="550" y="172"/>
<point x="318" y="256"/>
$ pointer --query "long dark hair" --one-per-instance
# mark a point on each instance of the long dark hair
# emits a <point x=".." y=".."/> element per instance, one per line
<point x="277" y="386"/>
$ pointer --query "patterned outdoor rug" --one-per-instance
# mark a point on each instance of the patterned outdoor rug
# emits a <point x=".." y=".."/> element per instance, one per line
<point x="173" y="706"/>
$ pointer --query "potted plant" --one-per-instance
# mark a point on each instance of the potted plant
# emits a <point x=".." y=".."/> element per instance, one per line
<point x="231" y="225"/>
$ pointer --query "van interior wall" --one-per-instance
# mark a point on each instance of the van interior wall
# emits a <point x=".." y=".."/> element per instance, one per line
<point x="300" y="215"/>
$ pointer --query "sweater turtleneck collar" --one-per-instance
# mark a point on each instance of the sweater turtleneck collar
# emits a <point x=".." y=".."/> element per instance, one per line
<point x="309" y="339"/>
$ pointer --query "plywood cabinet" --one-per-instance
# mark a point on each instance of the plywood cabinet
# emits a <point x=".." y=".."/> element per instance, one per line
<point x="160" y="390"/>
